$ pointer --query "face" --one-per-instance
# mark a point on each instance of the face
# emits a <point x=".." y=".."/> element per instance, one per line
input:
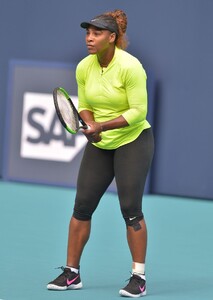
<point x="98" y="40"/>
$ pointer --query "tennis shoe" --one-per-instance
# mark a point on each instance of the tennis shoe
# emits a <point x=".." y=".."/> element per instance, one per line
<point x="135" y="288"/>
<point x="66" y="280"/>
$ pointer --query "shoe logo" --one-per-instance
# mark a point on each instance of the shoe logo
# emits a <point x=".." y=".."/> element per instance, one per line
<point x="69" y="282"/>
<point x="142" y="289"/>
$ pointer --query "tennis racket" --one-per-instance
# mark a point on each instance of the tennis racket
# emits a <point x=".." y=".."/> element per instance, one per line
<point x="66" y="111"/>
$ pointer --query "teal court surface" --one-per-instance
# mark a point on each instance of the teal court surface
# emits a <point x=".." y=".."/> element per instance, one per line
<point x="33" y="238"/>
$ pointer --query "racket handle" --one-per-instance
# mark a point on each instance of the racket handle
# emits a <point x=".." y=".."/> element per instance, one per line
<point x="85" y="127"/>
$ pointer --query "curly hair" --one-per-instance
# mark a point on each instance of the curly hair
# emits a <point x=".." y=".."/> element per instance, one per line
<point x="121" y="20"/>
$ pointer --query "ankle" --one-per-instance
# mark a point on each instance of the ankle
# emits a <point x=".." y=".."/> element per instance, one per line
<point x="138" y="268"/>
<point x="75" y="270"/>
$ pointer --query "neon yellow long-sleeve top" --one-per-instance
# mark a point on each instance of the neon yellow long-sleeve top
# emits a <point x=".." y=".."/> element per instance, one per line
<point x="119" y="89"/>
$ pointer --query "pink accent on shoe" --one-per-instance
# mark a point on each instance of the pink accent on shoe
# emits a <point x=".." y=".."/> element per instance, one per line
<point x="142" y="289"/>
<point x="69" y="282"/>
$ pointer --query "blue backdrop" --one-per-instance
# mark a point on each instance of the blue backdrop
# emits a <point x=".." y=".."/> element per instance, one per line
<point x="174" y="41"/>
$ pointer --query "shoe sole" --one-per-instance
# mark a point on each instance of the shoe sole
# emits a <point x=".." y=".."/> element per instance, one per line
<point x="127" y="294"/>
<point x="64" y="288"/>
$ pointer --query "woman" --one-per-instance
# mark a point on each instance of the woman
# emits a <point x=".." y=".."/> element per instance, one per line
<point x="113" y="102"/>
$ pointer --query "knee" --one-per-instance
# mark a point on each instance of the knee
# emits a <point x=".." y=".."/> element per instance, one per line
<point x="82" y="212"/>
<point x="131" y="210"/>
<point x="134" y="221"/>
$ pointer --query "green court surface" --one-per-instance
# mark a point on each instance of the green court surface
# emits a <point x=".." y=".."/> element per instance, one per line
<point x="33" y="237"/>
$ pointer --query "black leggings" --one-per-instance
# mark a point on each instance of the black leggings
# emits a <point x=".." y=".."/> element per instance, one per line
<point x="129" y="164"/>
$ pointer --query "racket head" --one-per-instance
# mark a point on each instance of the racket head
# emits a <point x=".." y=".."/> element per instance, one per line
<point x="65" y="110"/>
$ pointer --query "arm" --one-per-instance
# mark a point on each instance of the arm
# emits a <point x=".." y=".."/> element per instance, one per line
<point x="96" y="128"/>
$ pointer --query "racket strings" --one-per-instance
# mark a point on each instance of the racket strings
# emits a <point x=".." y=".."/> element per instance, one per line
<point x="68" y="114"/>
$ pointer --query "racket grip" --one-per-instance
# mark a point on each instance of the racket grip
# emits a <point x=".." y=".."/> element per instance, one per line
<point x="87" y="127"/>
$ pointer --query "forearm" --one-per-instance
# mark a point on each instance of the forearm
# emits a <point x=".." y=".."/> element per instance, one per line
<point x="118" y="122"/>
<point x="87" y="115"/>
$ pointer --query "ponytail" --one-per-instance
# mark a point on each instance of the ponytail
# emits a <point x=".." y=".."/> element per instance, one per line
<point x="121" y="19"/>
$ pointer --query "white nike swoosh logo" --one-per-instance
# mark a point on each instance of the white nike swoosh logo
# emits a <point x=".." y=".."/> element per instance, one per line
<point x="132" y="218"/>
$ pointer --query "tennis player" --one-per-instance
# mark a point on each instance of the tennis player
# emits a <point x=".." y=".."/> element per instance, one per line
<point x="113" y="102"/>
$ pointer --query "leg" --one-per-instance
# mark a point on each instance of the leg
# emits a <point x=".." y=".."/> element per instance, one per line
<point x="137" y="241"/>
<point x="132" y="163"/>
<point x="95" y="175"/>
<point x="79" y="232"/>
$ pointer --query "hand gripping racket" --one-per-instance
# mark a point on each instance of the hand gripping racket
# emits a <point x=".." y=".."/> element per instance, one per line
<point x="66" y="111"/>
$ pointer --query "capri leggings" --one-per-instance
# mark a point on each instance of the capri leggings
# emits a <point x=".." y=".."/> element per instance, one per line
<point x="128" y="164"/>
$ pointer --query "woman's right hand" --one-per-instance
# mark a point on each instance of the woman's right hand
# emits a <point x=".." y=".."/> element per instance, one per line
<point x="93" y="132"/>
